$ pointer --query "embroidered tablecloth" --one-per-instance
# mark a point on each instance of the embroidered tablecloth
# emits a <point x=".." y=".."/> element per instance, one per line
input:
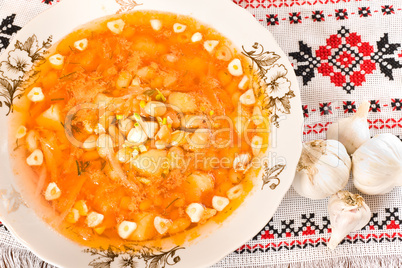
<point x="343" y="52"/>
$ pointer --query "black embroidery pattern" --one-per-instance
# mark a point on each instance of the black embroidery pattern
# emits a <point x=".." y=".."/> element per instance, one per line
<point x="305" y="111"/>
<point x="295" y="18"/>
<point x="272" y="19"/>
<point x="341" y="14"/>
<point x="375" y="106"/>
<point x="349" y="106"/>
<point x="7" y="29"/>
<point x="387" y="10"/>
<point x="396" y="104"/>
<point x="318" y="16"/>
<point x="364" y="11"/>
<point x="50" y="2"/>
<point x="325" y="108"/>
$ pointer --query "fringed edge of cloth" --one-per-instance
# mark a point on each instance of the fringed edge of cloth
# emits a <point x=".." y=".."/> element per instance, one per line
<point x="11" y="257"/>
<point x="385" y="261"/>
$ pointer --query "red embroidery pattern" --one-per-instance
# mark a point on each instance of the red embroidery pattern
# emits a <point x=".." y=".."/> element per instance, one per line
<point x="385" y="123"/>
<point x="302" y="243"/>
<point x="389" y="123"/>
<point x="300" y="234"/>
<point x="316" y="128"/>
<point x="346" y="59"/>
<point x="286" y="3"/>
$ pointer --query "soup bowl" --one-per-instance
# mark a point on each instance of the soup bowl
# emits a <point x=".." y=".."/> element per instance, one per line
<point x="24" y="216"/>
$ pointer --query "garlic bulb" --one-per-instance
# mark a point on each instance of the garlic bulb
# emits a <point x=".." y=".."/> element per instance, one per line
<point x="323" y="169"/>
<point x="377" y="165"/>
<point x="353" y="131"/>
<point x="347" y="213"/>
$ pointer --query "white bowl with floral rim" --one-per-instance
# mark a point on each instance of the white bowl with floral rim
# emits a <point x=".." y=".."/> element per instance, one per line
<point x="215" y="240"/>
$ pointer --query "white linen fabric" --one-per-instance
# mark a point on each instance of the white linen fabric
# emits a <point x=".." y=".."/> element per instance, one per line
<point x="343" y="52"/>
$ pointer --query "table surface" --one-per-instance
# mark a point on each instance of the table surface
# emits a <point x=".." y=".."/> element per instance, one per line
<point x="343" y="52"/>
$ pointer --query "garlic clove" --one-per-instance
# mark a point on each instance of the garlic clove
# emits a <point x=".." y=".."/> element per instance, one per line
<point x="36" y="94"/>
<point x="56" y="61"/>
<point x="179" y="28"/>
<point x="353" y="131"/>
<point x="195" y="211"/>
<point x="156" y="24"/>
<point x="348" y="213"/>
<point x="162" y="225"/>
<point x="81" y="45"/>
<point x="137" y="135"/>
<point x="35" y="158"/>
<point x="196" y="37"/>
<point x="235" y="192"/>
<point x="219" y="202"/>
<point x="243" y="82"/>
<point x="377" y="165"/>
<point x="210" y="45"/>
<point x="21" y="132"/>
<point x="116" y="26"/>
<point x="52" y="192"/>
<point x="94" y="219"/>
<point x="323" y="169"/>
<point x="235" y="68"/>
<point x="150" y="128"/>
<point x="126" y="228"/>
<point x="247" y="98"/>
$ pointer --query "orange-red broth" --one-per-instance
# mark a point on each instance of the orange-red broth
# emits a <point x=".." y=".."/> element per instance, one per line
<point x="119" y="74"/>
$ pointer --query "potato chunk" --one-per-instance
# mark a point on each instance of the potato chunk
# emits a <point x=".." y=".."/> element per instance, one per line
<point x="197" y="184"/>
<point x="50" y="119"/>
<point x="152" y="162"/>
<point x="145" y="228"/>
<point x="183" y="101"/>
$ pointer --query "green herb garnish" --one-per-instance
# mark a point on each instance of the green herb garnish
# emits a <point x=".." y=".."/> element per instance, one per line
<point x="82" y="167"/>
<point x="160" y="96"/>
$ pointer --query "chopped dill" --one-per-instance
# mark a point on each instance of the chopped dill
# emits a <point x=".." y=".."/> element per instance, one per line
<point x="103" y="165"/>
<point x="17" y="145"/>
<point x="171" y="203"/>
<point x="82" y="167"/>
<point x="57" y="99"/>
<point x="67" y="75"/>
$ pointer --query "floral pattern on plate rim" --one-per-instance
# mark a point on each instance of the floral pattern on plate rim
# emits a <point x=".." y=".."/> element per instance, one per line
<point x="18" y="68"/>
<point x="126" y="5"/>
<point x="133" y="256"/>
<point x="270" y="81"/>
